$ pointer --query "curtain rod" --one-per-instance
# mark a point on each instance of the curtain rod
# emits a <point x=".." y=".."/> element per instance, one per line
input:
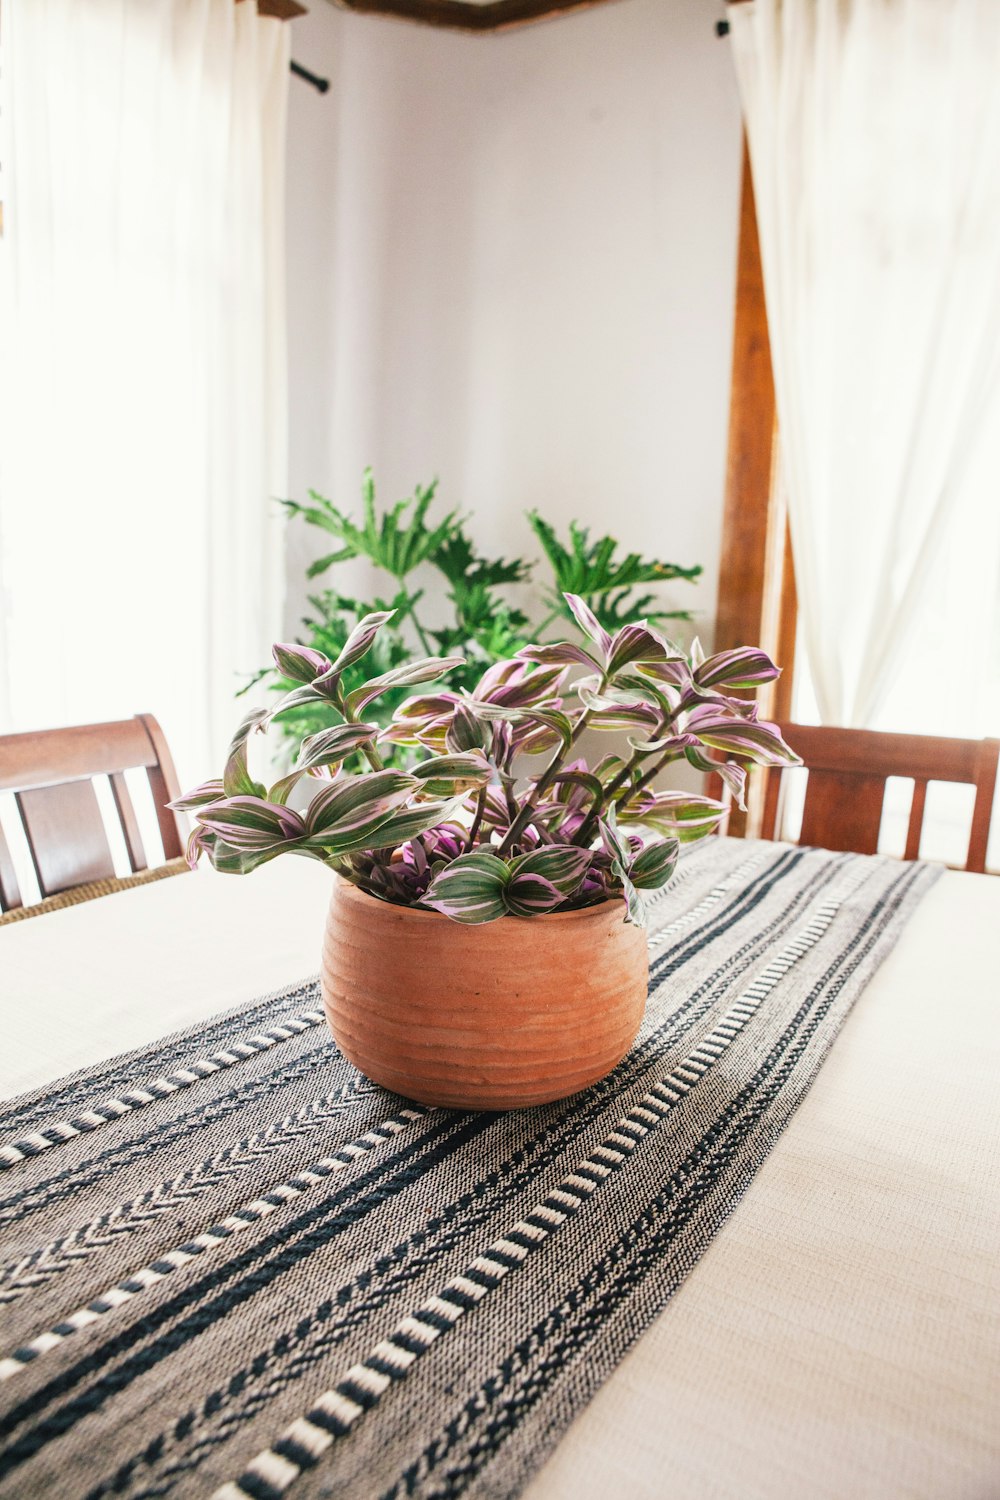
<point x="322" y="84"/>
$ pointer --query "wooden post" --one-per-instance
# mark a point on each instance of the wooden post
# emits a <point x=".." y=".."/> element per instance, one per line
<point x="757" y="601"/>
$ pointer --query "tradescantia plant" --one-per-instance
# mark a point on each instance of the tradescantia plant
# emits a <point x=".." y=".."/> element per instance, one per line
<point x="469" y="826"/>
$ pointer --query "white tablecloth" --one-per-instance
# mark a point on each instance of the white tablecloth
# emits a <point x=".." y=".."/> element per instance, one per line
<point x="841" y="1336"/>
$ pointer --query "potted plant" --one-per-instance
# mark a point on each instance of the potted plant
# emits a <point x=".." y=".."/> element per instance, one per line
<point x="485" y="944"/>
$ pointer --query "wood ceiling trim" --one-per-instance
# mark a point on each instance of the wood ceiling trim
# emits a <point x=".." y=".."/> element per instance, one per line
<point x="495" y="15"/>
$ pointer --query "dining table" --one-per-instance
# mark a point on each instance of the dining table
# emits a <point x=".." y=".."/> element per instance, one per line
<point x="839" y="1338"/>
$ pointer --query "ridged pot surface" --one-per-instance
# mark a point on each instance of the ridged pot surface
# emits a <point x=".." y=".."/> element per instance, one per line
<point x="498" y="1016"/>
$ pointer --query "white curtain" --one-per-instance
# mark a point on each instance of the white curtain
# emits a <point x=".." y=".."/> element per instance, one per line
<point x="142" y="361"/>
<point x="874" y="135"/>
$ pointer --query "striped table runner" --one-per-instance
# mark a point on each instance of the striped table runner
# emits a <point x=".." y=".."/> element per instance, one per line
<point x="230" y="1265"/>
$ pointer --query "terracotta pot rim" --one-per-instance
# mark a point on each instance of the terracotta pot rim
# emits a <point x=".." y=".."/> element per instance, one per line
<point x="354" y="892"/>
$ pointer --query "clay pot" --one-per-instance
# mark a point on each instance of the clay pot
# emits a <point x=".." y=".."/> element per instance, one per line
<point x="510" y="1013"/>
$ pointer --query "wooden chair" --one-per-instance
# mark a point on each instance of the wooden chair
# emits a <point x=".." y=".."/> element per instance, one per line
<point x="848" y="769"/>
<point x="51" y="775"/>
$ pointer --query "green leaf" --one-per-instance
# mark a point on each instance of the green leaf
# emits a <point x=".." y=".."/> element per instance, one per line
<point x="605" y="581"/>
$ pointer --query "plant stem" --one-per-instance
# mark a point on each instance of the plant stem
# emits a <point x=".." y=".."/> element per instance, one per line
<point x="412" y="612"/>
<point x="369" y="752"/>
<point x="373" y="758"/>
<point x="470" y="842"/>
<point x="586" y="832"/>
<point x="543" y="783"/>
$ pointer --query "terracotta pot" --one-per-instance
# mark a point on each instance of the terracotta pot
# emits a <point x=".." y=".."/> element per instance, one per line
<point x="510" y="1013"/>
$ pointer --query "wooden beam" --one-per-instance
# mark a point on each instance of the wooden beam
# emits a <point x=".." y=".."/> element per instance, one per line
<point x="281" y="10"/>
<point x="459" y="15"/>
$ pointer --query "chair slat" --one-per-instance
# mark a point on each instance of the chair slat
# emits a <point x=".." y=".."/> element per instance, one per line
<point x="843" y="811"/>
<point x="66" y="835"/>
<point x="847" y="773"/>
<point x="986" y="782"/>
<point x="165" y="788"/>
<point x="10" y="891"/>
<point x="916" y="824"/>
<point x="130" y="826"/>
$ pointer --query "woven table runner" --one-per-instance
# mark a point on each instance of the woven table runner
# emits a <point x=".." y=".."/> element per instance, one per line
<point x="231" y="1265"/>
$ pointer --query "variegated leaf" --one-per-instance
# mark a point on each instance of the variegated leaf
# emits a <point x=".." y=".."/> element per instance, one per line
<point x="682" y="815"/>
<point x="330" y="747"/>
<point x="745" y="667"/>
<point x="251" y="823"/>
<point x="356" y="802"/>
<point x="654" y="865"/>
<point x="467" y="732"/>
<point x="589" y="623"/>
<point x="558" y="654"/>
<point x="360" y="640"/>
<point x="531" y="895"/>
<point x="236" y="778"/>
<point x="199" y="796"/>
<point x="300" y="663"/>
<point x="470" y="889"/>
<point x="424" y="669"/>
<point x="444" y="774"/>
<point x="562" y="865"/>
<point x="760" y="742"/>
<point x="388" y="831"/>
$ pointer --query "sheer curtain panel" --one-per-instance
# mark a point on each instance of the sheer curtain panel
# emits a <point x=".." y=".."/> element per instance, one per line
<point x="874" y="135"/>
<point x="142" y="361"/>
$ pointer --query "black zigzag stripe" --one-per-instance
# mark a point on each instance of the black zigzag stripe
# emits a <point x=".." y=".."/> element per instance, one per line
<point x="157" y="1057"/>
<point x="64" y="1183"/>
<point x="154" y="1089"/>
<point x="60" y="1255"/>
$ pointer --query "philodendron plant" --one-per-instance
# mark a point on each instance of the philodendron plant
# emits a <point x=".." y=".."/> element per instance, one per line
<point x="475" y="826"/>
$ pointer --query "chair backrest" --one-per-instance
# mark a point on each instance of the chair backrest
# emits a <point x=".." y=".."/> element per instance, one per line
<point x="848" y="769"/>
<point x="51" y="775"/>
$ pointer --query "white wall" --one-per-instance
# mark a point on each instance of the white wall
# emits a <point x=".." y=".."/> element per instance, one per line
<point x="512" y="264"/>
